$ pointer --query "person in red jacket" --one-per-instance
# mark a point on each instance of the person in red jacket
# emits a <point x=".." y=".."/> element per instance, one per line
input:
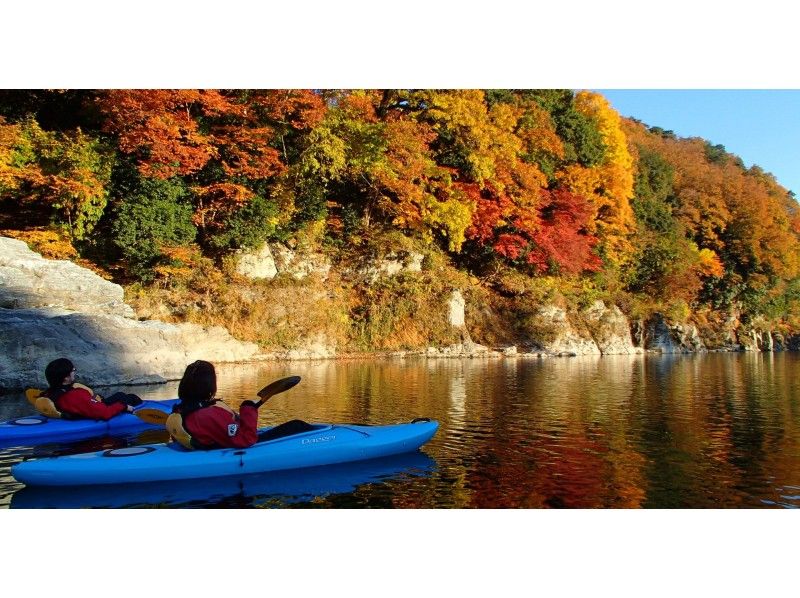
<point x="78" y="402"/>
<point x="210" y="422"/>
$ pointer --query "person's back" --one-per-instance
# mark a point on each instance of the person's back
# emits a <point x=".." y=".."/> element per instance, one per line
<point x="217" y="425"/>
<point x="211" y="423"/>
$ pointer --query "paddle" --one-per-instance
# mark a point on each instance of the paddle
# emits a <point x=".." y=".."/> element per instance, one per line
<point x="276" y="387"/>
<point x="152" y="416"/>
<point x="158" y="417"/>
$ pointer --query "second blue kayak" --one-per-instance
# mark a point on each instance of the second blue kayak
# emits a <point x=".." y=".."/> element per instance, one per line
<point x="37" y="429"/>
<point x="324" y="444"/>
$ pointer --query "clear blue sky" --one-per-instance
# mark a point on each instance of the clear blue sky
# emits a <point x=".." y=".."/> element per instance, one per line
<point x="760" y="126"/>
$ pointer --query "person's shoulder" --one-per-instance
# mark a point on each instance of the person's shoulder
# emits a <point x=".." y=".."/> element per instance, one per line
<point x="204" y="413"/>
<point x="220" y="404"/>
<point x="78" y="392"/>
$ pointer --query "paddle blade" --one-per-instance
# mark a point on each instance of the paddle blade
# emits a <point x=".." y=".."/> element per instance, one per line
<point x="277" y="387"/>
<point x="152" y="416"/>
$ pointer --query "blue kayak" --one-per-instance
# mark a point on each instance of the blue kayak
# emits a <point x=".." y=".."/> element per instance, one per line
<point x="36" y="429"/>
<point x="275" y="487"/>
<point x="323" y="444"/>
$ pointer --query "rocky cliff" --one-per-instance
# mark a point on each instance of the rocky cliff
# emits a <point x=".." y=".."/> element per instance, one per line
<point x="54" y="308"/>
<point x="27" y="280"/>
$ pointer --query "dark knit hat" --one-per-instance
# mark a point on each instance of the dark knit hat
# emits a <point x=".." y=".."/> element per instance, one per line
<point x="199" y="384"/>
<point x="57" y="370"/>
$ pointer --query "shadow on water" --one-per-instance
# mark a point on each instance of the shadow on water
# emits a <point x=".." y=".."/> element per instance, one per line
<point x="303" y="487"/>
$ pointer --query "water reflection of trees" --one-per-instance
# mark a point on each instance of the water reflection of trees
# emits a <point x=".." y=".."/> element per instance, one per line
<point x="611" y="431"/>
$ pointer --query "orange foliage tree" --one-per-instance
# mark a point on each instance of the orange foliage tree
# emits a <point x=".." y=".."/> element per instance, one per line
<point x="225" y="140"/>
<point x="740" y="221"/>
<point x="373" y="154"/>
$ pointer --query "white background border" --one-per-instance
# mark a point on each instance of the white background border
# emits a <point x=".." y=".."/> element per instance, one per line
<point x="497" y="44"/>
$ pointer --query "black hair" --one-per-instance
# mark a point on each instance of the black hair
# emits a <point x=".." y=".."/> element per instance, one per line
<point x="197" y="387"/>
<point x="56" y="371"/>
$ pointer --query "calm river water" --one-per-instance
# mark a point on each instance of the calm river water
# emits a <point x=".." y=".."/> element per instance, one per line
<point x="715" y="430"/>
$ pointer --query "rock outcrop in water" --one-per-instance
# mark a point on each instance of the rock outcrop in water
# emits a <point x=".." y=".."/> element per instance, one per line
<point x="597" y="330"/>
<point x="663" y="337"/>
<point x="106" y="349"/>
<point x="610" y="329"/>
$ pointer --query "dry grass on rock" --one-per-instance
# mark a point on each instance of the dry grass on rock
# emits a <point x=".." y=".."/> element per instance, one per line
<point x="276" y="314"/>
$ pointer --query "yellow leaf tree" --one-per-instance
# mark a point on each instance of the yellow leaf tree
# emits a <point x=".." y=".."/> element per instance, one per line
<point x="608" y="185"/>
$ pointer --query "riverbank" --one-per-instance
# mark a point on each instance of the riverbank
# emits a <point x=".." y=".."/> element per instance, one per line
<point x="403" y="302"/>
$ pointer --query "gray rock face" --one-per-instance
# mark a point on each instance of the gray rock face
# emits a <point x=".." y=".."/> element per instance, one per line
<point x="106" y="349"/>
<point x="610" y="329"/>
<point x="672" y="338"/>
<point x="54" y="308"/>
<point x="597" y="330"/>
<point x="778" y="342"/>
<point x="560" y="336"/>
<point x="271" y="260"/>
<point x="27" y="280"/>
<point x="299" y="265"/>
<point x="257" y="264"/>
<point x="763" y="340"/>
<point x="456" y="309"/>
<point x="392" y="264"/>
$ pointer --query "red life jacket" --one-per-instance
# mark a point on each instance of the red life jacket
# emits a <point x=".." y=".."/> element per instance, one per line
<point x="79" y="403"/>
<point x="217" y="427"/>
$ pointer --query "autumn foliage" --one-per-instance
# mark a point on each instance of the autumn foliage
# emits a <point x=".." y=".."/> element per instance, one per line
<point x="539" y="182"/>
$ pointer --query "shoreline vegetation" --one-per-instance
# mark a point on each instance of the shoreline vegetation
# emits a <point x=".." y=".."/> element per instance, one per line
<point x="369" y="224"/>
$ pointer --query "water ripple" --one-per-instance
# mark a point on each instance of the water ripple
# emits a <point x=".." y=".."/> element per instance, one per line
<point x="712" y="431"/>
